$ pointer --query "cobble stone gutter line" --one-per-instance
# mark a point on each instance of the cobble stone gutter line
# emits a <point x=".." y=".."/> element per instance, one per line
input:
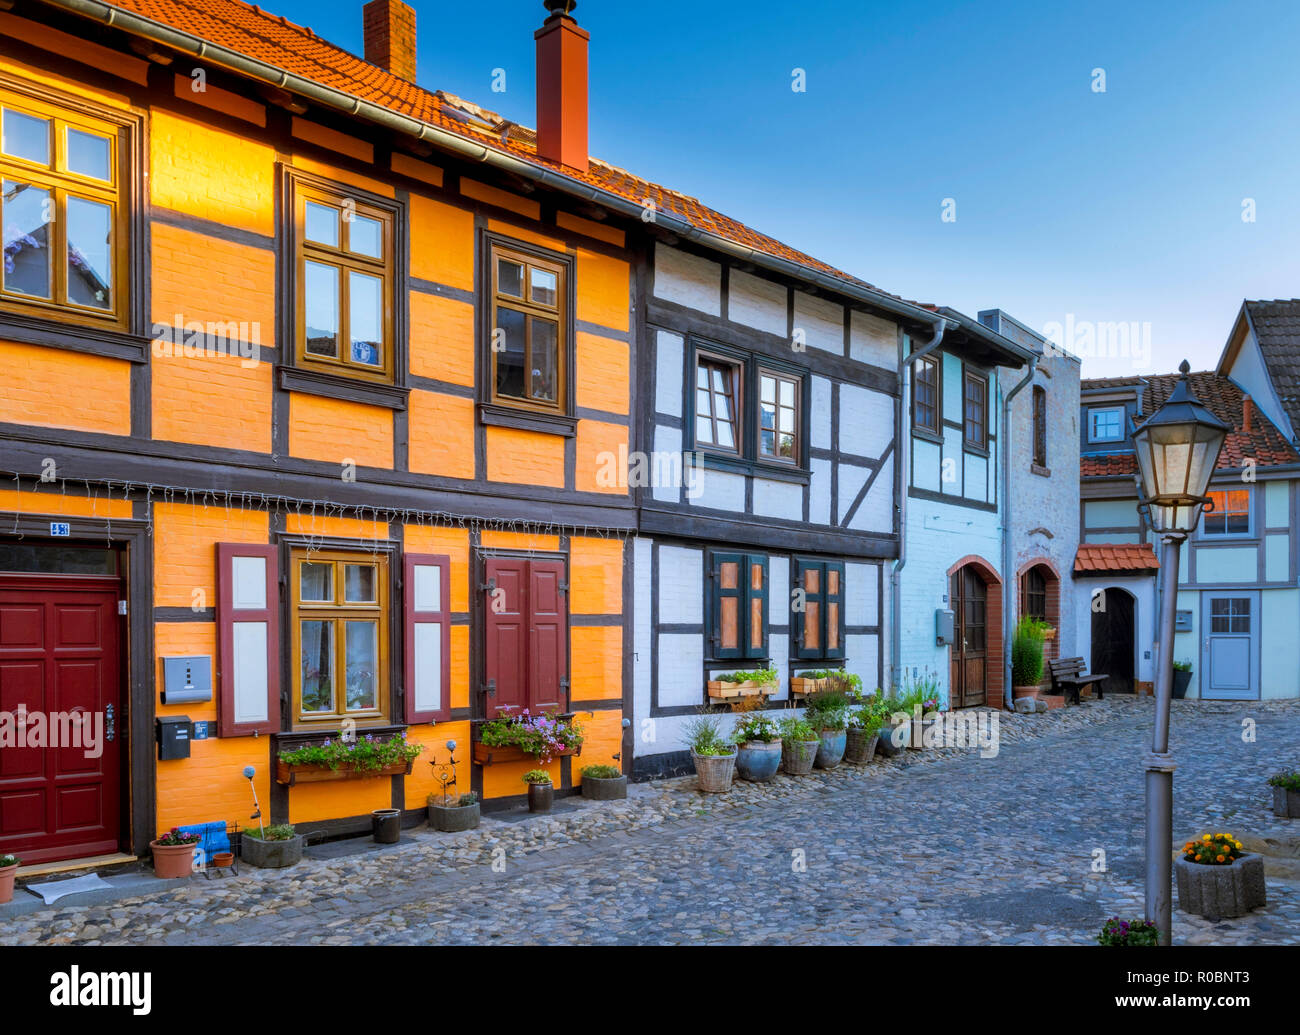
<point x="424" y="890"/>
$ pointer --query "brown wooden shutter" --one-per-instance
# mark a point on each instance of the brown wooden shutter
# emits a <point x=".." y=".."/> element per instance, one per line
<point x="426" y="590"/>
<point x="727" y="599"/>
<point x="809" y="625"/>
<point x="548" y="637"/>
<point x="505" y="668"/>
<point x="756" y="605"/>
<point x="833" y="608"/>
<point x="248" y="639"/>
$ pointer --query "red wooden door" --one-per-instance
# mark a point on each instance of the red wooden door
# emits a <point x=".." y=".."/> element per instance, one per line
<point x="969" y="652"/>
<point x="59" y="659"/>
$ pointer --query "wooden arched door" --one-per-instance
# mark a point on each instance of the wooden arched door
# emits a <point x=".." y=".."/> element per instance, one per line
<point x="969" y="652"/>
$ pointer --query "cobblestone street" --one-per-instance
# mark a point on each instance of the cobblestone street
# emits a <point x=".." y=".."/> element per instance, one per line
<point x="934" y="847"/>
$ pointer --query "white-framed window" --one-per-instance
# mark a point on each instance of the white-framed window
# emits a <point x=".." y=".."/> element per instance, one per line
<point x="1106" y="424"/>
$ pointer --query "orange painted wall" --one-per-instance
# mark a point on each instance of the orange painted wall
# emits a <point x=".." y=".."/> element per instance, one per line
<point x="49" y="498"/>
<point x="211" y="173"/>
<point x="596" y="455"/>
<point x="441" y="434"/>
<point x="442" y="338"/>
<point x="525" y="457"/>
<point x="184" y="540"/>
<point x="336" y="431"/>
<point x="38" y="382"/>
<point x="227" y="401"/>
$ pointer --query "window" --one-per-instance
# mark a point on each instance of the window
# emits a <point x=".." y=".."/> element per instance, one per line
<point x="1106" y="424"/>
<point x="529" y="341"/>
<point x="817" y="609"/>
<point x="737" y="606"/>
<point x="717" y="387"/>
<point x="63" y="209"/>
<point x="1231" y="513"/>
<point x="1230" y="614"/>
<point x="1040" y="426"/>
<point x="1035" y="595"/>
<point x="344" y="284"/>
<point x="340" y="636"/>
<point x="925" y="401"/>
<point x="778" y="413"/>
<point x="975" y="411"/>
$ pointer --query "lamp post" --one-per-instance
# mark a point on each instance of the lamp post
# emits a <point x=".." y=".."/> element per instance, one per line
<point x="1177" y="448"/>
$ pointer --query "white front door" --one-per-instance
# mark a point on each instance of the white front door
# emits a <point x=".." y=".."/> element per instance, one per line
<point x="1228" y="654"/>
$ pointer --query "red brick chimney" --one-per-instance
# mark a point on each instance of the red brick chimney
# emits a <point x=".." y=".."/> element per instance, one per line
<point x="562" y="87"/>
<point x="389" y="28"/>
<point x="1247" y="413"/>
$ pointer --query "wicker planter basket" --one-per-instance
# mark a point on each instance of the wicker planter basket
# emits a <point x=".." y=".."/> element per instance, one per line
<point x="797" y="756"/>
<point x="714" y="772"/>
<point x="860" y="747"/>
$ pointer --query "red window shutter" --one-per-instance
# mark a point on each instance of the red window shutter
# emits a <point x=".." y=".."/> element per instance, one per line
<point x="504" y="607"/>
<point x="426" y="591"/>
<point x="548" y="637"/>
<point x="248" y="639"/>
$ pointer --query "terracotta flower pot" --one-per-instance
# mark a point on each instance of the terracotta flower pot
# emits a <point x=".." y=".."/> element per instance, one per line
<point x="172" y="861"/>
<point x="7" y="874"/>
<point x="1017" y="692"/>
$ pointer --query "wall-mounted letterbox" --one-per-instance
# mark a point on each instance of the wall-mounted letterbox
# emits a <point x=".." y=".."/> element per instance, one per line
<point x="1182" y="621"/>
<point x="187" y="680"/>
<point x="943" y="627"/>
<point x="173" y="737"/>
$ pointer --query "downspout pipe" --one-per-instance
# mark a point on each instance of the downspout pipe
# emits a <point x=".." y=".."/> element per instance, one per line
<point x="242" y="64"/>
<point x="1004" y="444"/>
<point x="902" y="476"/>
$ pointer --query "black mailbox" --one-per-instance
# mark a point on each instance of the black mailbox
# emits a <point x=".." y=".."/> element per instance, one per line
<point x="173" y="737"/>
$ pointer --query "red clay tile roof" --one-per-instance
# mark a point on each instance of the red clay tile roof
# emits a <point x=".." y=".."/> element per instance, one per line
<point x="1115" y="558"/>
<point x="276" y="41"/>
<point x="1277" y="328"/>
<point x="1263" y="443"/>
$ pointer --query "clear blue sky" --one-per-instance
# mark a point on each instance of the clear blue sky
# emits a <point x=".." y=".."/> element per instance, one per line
<point x="1115" y="207"/>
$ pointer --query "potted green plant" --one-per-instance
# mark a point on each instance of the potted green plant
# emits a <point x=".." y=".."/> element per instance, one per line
<point x="799" y="744"/>
<point x="1216" y="879"/>
<point x="863" y="733"/>
<point x="1286" y="794"/>
<point x="541" y="792"/>
<point x="541" y="738"/>
<point x="1182" y="679"/>
<point x="273" y="847"/>
<point x="452" y="813"/>
<point x="713" y="754"/>
<point x="1128" y="932"/>
<point x="1027" y="657"/>
<point x="173" y="854"/>
<point x="603" y="783"/>
<point x="758" y="746"/>
<point x="827" y="712"/>
<point x="8" y="870"/>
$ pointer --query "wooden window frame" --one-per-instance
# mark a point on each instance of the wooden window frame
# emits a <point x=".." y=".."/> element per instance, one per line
<point x="1039" y="425"/>
<point x="968" y="378"/>
<point x="1223" y="512"/>
<point x="747" y="596"/>
<point x="918" y="424"/>
<point x="1030" y="593"/>
<point x="559" y="418"/>
<point x="339" y="612"/>
<point x="823" y="597"/>
<point x="122" y="331"/>
<point x="796" y="380"/>
<point x="736" y="396"/>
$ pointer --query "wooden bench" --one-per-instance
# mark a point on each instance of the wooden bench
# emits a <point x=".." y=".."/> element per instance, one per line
<point x="1069" y="676"/>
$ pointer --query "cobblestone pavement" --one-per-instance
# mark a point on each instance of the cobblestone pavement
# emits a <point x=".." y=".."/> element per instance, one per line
<point x="937" y="846"/>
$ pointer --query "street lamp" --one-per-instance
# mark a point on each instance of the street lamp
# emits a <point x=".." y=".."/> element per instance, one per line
<point x="1177" y="449"/>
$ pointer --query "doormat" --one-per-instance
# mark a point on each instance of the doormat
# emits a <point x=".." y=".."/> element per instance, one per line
<point x="54" y="890"/>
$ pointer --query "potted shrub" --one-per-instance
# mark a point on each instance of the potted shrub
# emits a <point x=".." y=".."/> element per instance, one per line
<point x="347" y="760"/>
<point x="862" y="733"/>
<point x="603" y="783"/>
<point x="1027" y="657"/>
<point x="450" y="814"/>
<point x="173" y="854"/>
<point x="1182" y="679"/>
<point x="540" y="738"/>
<point x="8" y="870"/>
<point x="271" y="848"/>
<point x="758" y="747"/>
<point x="799" y="744"/>
<point x="827" y="712"/>
<point x="713" y="755"/>
<point x="1128" y="932"/>
<point x="541" y="792"/>
<point x="1216" y="879"/>
<point x="1286" y="794"/>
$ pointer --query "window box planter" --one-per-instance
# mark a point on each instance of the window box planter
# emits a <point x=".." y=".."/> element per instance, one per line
<point x="802" y="685"/>
<point x="173" y="861"/>
<point x="758" y="760"/>
<point x="485" y="755"/>
<point x="720" y="690"/>
<point x="271" y="855"/>
<point x="714" y="772"/>
<point x="860" y="746"/>
<point x="830" y="748"/>
<point x="1218" y="892"/>
<point x="294" y="774"/>
<point x="611" y="788"/>
<point x="797" y="756"/>
<point x="7" y="874"/>
<point x="1286" y="804"/>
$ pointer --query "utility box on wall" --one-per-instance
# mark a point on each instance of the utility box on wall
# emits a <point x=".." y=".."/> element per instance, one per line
<point x="944" y="627"/>
<point x="173" y="737"/>
<point x="187" y="680"/>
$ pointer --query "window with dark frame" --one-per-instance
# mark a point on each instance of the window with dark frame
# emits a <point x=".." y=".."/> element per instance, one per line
<point x="1040" y="426"/>
<point x="975" y="394"/>
<point x="737" y="607"/>
<point x="1035" y="595"/>
<point x="778" y="416"/>
<point x="717" y="404"/>
<point x="344" y="284"/>
<point x="529" y="344"/>
<point x="925" y="401"/>
<point x="1231" y="513"/>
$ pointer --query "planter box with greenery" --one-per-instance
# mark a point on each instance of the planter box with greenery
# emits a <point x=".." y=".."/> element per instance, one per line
<point x="603" y="783"/>
<point x="347" y="760"/>
<point x="541" y="792"/>
<point x="271" y="848"/>
<point x="749" y="683"/>
<point x="758" y="747"/>
<point x="713" y="755"/>
<point x="514" y="738"/>
<point x="1286" y="794"/>
<point x="1027" y="657"/>
<point x="1217" y="880"/>
<point x="451" y="815"/>
<point x="8" y="870"/>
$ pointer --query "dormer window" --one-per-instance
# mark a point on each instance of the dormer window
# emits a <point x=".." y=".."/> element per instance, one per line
<point x="1106" y="424"/>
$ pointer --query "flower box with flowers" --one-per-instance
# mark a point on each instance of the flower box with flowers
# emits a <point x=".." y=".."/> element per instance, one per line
<point x="514" y="738"/>
<point x="346" y="760"/>
<point x="747" y="683"/>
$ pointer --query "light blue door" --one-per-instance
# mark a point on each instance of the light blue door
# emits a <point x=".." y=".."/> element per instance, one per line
<point x="1228" y="666"/>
